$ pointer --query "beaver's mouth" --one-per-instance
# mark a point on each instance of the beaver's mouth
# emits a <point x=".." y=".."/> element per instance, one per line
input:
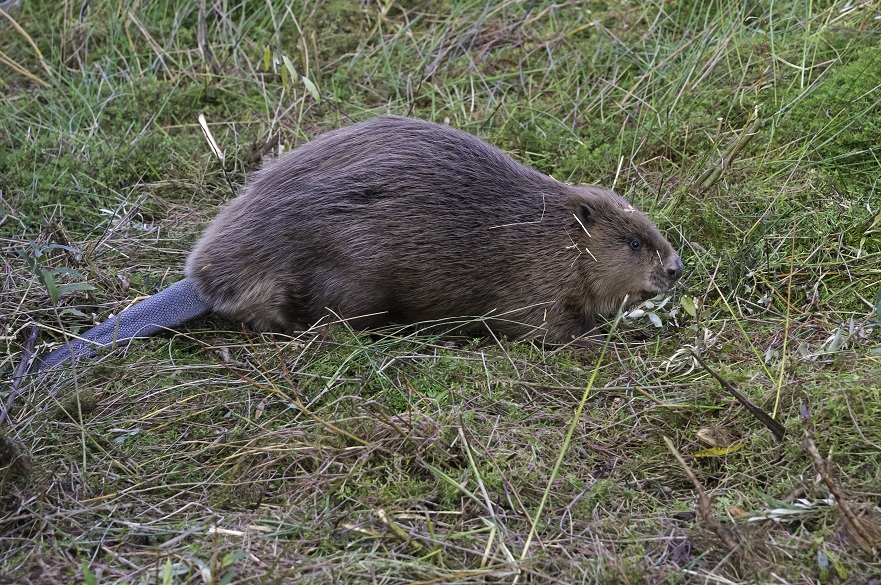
<point x="642" y="295"/>
<point x="657" y="285"/>
<point x="650" y="293"/>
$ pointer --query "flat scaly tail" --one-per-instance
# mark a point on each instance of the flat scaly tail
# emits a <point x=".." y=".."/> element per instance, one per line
<point x="169" y="307"/>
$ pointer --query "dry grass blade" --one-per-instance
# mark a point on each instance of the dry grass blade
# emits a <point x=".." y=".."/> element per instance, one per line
<point x="30" y="41"/>
<point x="20" y="371"/>
<point x="161" y="54"/>
<point x="566" y="441"/>
<point x="864" y="531"/>
<point x="774" y="426"/>
<point x="399" y="532"/>
<point x="712" y="174"/>
<point x="704" y="507"/>
<point x="6" y="59"/>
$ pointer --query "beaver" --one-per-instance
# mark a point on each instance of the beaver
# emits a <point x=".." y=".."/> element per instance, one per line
<point x="399" y="220"/>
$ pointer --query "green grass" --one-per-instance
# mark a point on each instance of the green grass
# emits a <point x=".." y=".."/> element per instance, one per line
<point x="224" y="456"/>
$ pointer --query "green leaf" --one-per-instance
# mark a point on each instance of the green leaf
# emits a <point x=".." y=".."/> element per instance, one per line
<point x="51" y="247"/>
<point x="76" y="312"/>
<point x="38" y="251"/>
<point x="121" y="438"/>
<point x="689" y="306"/>
<point x="878" y="306"/>
<point x="88" y="577"/>
<point x="310" y="87"/>
<point x="267" y="58"/>
<point x="823" y="565"/>
<point x="838" y="340"/>
<point x="232" y="557"/>
<point x="288" y="72"/>
<point x="30" y="260"/>
<point x="64" y="270"/>
<point x="168" y="573"/>
<point x="75" y="286"/>
<point x="49" y="283"/>
<point x="839" y="568"/>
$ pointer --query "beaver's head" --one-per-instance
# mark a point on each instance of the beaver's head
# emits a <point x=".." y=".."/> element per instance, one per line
<point x="621" y="252"/>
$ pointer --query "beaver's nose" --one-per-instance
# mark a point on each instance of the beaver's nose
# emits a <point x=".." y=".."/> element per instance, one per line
<point x="674" y="269"/>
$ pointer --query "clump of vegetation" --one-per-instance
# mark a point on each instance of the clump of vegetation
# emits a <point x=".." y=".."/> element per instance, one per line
<point x="748" y="130"/>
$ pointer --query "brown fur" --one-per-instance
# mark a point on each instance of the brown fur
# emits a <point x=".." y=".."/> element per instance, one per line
<point x="401" y="220"/>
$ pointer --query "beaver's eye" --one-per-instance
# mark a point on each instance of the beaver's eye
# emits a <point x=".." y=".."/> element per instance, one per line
<point x="635" y="244"/>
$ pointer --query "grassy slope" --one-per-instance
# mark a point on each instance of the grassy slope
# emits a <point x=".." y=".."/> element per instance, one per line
<point x="306" y="469"/>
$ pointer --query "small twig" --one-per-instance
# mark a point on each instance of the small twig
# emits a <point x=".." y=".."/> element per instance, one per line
<point x="202" y="39"/>
<point x="20" y="371"/>
<point x="256" y="152"/>
<point x="704" y="507"/>
<point x="399" y="532"/>
<point x="711" y="175"/>
<point x="529" y="10"/>
<point x="866" y="534"/>
<point x="775" y="427"/>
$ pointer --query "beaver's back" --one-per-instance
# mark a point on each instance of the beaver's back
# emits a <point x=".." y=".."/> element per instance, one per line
<point x="390" y="212"/>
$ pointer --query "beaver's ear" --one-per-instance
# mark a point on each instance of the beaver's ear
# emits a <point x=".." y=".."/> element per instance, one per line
<point x="585" y="213"/>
